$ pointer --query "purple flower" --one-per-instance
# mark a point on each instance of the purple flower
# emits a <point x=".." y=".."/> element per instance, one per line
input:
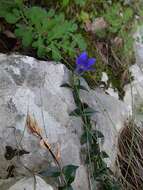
<point x="83" y="63"/>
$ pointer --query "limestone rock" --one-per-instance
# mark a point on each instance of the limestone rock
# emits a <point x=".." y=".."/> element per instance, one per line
<point x="28" y="184"/>
<point x="7" y="183"/>
<point x="31" y="86"/>
<point x="109" y="118"/>
<point x="134" y="91"/>
<point x="138" y="46"/>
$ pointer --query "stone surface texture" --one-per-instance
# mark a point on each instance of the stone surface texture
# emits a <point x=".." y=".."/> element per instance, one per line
<point x="31" y="86"/>
<point x="134" y="91"/>
<point x="29" y="183"/>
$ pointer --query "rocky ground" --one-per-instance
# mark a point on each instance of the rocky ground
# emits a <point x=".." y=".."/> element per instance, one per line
<point x="29" y="86"/>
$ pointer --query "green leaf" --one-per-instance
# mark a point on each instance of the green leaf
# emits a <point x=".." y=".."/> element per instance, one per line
<point x="36" y="15"/>
<point x="84" y="16"/>
<point x="127" y="15"/>
<point x="51" y="13"/>
<point x="19" y="2"/>
<point x="76" y="96"/>
<point x="83" y="138"/>
<point x="26" y="34"/>
<point x="89" y="111"/>
<point x="49" y="33"/>
<point x="104" y="154"/>
<point x="98" y="134"/>
<point x="74" y="27"/>
<point x="115" y="186"/>
<point x="66" y="85"/>
<point x="56" y="54"/>
<point x="69" y="172"/>
<point x="83" y="88"/>
<point x="80" y="41"/>
<point x="65" y="2"/>
<point x="77" y="112"/>
<point x="101" y="171"/>
<point x="11" y="18"/>
<point x="86" y="137"/>
<point x="80" y="2"/>
<point x="20" y="30"/>
<point x="39" y="45"/>
<point x="27" y="38"/>
<point x="86" y="112"/>
<point x="65" y="188"/>
<point x="51" y="172"/>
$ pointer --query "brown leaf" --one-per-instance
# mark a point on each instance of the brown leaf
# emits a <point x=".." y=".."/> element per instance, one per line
<point x="125" y="77"/>
<point x="44" y="143"/>
<point x="88" y="26"/>
<point x="103" y="48"/>
<point x="9" y="34"/>
<point x="118" y="42"/>
<point x="33" y="125"/>
<point x="99" y="24"/>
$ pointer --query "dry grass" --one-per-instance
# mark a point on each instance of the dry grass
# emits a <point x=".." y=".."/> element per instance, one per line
<point x="130" y="157"/>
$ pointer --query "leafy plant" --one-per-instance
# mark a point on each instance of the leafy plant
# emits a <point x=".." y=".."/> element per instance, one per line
<point x="65" y="3"/>
<point x="68" y="173"/>
<point x="50" y="33"/>
<point x="59" y="35"/>
<point x="120" y="21"/>
<point x="94" y="157"/>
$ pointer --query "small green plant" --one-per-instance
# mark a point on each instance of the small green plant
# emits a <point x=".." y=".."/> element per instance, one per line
<point x="50" y="33"/>
<point x="120" y="24"/>
<point x="56" y="35"/>
<point x="66" y="3"/>
<point x="114" y="43"/>
<point x="56" y="29"/>
<point x="94" y="157"/>
<point x="66" y="174"/>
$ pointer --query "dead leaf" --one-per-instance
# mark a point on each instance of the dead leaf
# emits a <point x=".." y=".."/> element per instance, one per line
<point x="88" y="26"/>
<point x="103" y="47"/>
<point x="99" y="24"/>
<point x="118" y="42"/>
<point x="44" y="143"/>
<point x="125" y="77"/>
<point x="9" y="34"/>
<point x="33" y="125"/>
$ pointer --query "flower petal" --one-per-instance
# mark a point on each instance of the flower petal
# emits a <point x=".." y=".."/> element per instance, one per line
<point x="82" y="59"/>
<point x="91" y="62"/>
<point x="79" y="70"/>
<point x="90" y="69"/>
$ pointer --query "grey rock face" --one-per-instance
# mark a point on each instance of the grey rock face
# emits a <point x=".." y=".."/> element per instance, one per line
<point x="134" y="91"/>
<point x="109" y="118"/>
<point x="138" y="46"/>
<point x="29" y="183"/>
<point x="134" y="94"/>
<point x="31" y="86"/>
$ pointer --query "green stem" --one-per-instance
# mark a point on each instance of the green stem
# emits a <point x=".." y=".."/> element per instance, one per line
<point x="96" y="164"/>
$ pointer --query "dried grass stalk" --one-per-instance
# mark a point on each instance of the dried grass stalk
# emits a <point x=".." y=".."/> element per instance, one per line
<point x="130" y="157"/>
